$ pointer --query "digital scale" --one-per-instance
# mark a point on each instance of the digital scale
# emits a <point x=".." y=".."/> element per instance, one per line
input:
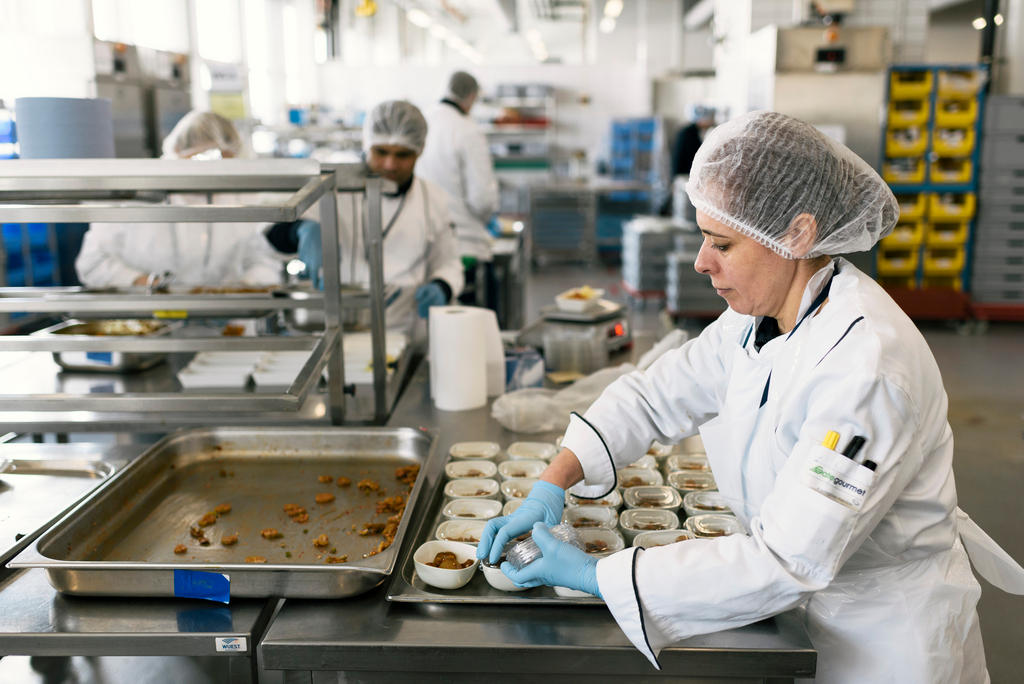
<point x="606" y="315"/>
<point x="579" y="341"/>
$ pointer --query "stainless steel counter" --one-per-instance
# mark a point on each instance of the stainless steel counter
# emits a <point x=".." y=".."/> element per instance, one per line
<point x="372" y="639"/>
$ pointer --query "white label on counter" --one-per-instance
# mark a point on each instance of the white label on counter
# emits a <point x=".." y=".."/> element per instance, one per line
<point x="230" y="644"/>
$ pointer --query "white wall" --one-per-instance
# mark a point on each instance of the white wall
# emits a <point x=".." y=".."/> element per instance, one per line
<point x="951" y="38"/>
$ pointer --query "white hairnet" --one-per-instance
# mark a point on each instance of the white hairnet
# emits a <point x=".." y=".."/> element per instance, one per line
<point x="201" y="131"/>
<point x="395" y="122"/>
<point x="461" y="86"/>
<point x="759" y="171"/>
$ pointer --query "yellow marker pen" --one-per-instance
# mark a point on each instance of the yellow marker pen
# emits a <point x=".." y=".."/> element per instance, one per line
<point x="831" y="440"/>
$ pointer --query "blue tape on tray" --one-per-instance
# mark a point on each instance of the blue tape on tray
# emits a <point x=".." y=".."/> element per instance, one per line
<point x="212" y="586"/>
<point x="101" y="357"/>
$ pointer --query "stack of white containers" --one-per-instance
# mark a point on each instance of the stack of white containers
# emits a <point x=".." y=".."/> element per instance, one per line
<point x="646" y="241"/>
<point x="686" y="290"/>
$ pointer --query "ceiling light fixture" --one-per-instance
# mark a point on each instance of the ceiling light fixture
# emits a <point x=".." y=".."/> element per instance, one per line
<point x="613" y="8"/>
<point x="419" y="17"/>
<point x="607" y="25"/>
<point x="998" y="19"/>
<point x="979" y="23"/>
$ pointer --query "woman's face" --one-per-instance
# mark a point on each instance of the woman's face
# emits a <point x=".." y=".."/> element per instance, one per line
<point x="753" y="279"/>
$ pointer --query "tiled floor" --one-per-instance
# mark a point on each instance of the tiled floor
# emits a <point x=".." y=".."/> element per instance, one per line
<point x="983" y="375"/>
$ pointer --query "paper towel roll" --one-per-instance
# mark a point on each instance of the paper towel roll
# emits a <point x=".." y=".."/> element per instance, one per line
<point x="458" y="357"/>
<point x="495" y="356"/>
<point x="64" y="127"/>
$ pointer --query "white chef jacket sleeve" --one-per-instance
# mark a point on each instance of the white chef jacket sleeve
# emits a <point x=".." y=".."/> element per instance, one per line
<point x="99" y="263"/>
<point x="800" y="537"/>
<point x="666" y="402"/>
<point x="443" y="259"/>
<point x="480" y="183"/>
<point x="261" y="265"/>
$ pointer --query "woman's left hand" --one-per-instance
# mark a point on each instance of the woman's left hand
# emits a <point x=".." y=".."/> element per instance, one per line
<point x="560" y="565"/>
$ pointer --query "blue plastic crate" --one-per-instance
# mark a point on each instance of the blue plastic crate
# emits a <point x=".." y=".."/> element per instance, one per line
<point x="12" y="237"/>
<point x="38" y="235"/>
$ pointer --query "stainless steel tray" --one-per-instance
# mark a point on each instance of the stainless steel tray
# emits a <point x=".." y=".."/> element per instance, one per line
<point x="406" y="586"/>
<point x="120" y="540"/>
<point x="34" y="491"/>
<point x="106" y="361"/>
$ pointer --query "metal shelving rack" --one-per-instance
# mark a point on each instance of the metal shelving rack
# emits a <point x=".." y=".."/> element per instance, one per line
<point x="95" y="190"/>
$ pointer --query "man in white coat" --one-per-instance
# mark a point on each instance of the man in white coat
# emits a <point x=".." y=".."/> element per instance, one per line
<point x="456" y="157"/>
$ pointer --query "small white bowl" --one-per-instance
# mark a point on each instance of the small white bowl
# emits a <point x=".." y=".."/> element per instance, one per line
<point x="590" y="516"/>
<point x="472" y="488"/>
<point x="692" y="481"/>
<point x="497" y="579"/>
<point x="596" y="535"/>
<point x="653" y="497"/>
<point x="471" y="509"/>
<point x="526" y="468"/>
<point x="652" y="538"/>
<point x="636" y="520"/>
<point x="687" y="462"/>
<point x="465" y="531"/>
<point x="714" y="525"/>
<point x="457" y="470"/>
<point x="691" y="445"/>
<point x="613" y="500"/>
<point x="510" y="506"/>
<point x="699" y="503"/>
<point x="659" y="450"/>
<point x="638" y="477"/>
<point x="544" y="451"/>
<point x="579" y="299"/>
<point x="645" y="461"/>
<point x="439" y="577"/>
<point x="474" y="451"/>
<point x="517" y="487"/>
<point x="566" y="592"/>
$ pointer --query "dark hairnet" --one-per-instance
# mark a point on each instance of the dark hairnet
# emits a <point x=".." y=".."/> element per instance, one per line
<point x="758" y="172"/>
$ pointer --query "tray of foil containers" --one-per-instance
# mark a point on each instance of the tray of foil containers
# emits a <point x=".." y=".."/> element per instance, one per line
<point x="483" y="481"/>
<point x="107" y="361"/>
<point x="288" y="512"/>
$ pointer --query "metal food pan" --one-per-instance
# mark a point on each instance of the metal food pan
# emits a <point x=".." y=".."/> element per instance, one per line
<point x="108" y="361"/>
<point x="120" y="541"/>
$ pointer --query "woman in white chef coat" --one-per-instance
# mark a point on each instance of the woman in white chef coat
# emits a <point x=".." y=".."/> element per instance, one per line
<point x="421" y="259"/>
<point x="207" y="254"/>
<point x="868" y="545"/>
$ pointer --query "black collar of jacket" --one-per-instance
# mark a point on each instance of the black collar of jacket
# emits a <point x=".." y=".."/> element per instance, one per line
<point x="455" y="104"/>
<point x="402" y="189"/>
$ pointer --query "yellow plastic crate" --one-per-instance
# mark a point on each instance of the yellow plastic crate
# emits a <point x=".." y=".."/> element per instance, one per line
<point x="905" y="142"/>
<point x="943" y="261"/>
<point x="952" y="170"/>
<point x="960" y="82"/>
<point x="942" y="283"/>
<point x="906" y="85"/>
<point x="953" y="142"/>
<point x="905" y="234"/>
<point x="904" y="113"/>
<point x="908" y="283"/>
<point x="912" y="206"/>
<point x="955" y="112"/>
<point x="943" y="234"/>
<point x="897" y="262"/>
<point x="951" y="206"/>
<point x="903" y="170"/>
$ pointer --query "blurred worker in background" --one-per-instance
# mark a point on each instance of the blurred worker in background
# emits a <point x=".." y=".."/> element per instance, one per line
<point x="211" y="254"/>
<point x="421" y="259"/>
<point x="456" y="157"/>
<point x="689" y="139"/>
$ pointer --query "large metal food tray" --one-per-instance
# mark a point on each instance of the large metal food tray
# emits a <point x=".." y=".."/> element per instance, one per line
<point x="107" y="361"/>
<point x="406" y="586"/>
<point x="34" y="491"/>
<point x="120" y="540"/>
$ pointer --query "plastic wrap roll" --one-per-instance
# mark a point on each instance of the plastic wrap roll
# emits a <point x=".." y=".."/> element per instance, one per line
<point x="458" y="357"/>
<point x="64" y="128"/>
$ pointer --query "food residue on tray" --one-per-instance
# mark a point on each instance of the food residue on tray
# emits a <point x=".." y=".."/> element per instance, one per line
<point x="324" y="479"/>
<point x="389" y="532"/>
<point x="180" y="548"/>
<point x="324" y="497"/>
<point x="446" y="560"/>
<point x="229" y="539"/>
<point x="301" y="517"/>
<point x="368" y="486"/>
<point x="199" y="536"/>
<point x="337" y="559"/>
<point x="221" y="509"/>
<point x="343" y="481"/>
<point x="255" y="559"/>
<point x="270" y="533"/>
<point x="371" y="529"/>
<point x="321" y="541"/>
<point x="407" y="474"/>
<point x="208" y="519"/>
<point x="392" y="504"/>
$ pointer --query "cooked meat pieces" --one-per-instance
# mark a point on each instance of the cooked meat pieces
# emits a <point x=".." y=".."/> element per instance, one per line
<point x="301" y="517"/>
<point x="407" y="474"/>
<point x="208" y="519"/>
<point x="255" y="559"/>
<point x="392" y="504"/>
<point x="229" y="539"/>
<point x="270" y="533"/>
<point x="371" y="529"/>
<point x="324" y="497"/>
<point x="324" y="479"/>
<point x="586" y="522"/>
<point x="595" y="546"/>
<point x="198" y="535"/>
<point x="293" y="509"/>
<point x="221" y="509"/>
<point x="321" y="541"/>
<point x="446" y="560"/>
<point x="634" y="481"/>
<point x="651" y="526"/>
<point x="368" y="486"/>
<point x="343" y="481"/>
<point x="180" y="548"/>
<point x="337" y="559"/>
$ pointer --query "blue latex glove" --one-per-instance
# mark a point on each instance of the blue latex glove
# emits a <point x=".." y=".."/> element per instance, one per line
<point x="311" y="251"/>
<point x="543" y="505"/>
<point x="427" y="296"/>
<point x="494" y="226"/>
<point x="560" y="565"/>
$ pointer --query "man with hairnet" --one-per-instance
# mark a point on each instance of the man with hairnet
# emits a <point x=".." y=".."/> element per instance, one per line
<point x="823" y="416"/>
<point x="456" y="157"/>
<point x="421" y="261"/>
<point x="189" y="254"/>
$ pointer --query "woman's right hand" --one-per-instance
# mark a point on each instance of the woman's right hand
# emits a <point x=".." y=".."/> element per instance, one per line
<point x="544" y="504"/>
